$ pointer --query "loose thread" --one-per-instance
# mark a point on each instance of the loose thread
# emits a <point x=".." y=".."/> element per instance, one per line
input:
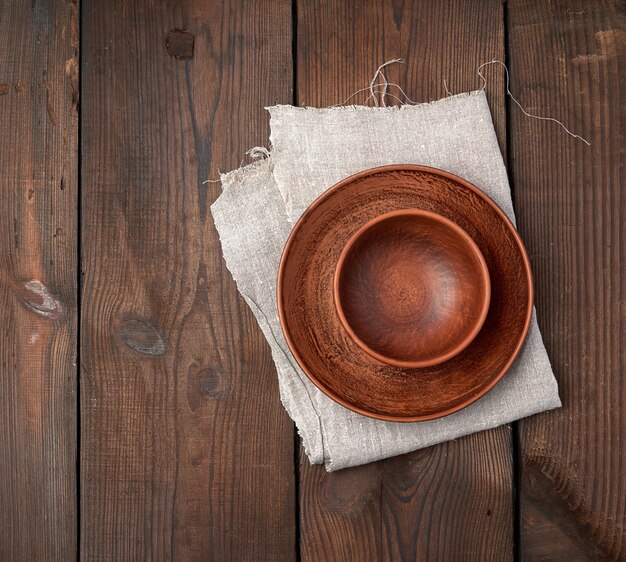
<point x="379" y="91"/>
<point x="382" y="89"/>
<point x="378" y="73"/>
<point x="344" y="102"/>
<point x="528" y="114"/>
<point x="407" y="99"/>
<point x="258" y="152"/>
<point x="213" y="181"/>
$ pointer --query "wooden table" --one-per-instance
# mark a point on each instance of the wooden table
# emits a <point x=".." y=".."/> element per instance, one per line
<point x="139" y="408"/>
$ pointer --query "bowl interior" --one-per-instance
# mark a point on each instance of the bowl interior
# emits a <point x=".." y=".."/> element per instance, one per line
<point x="412" y="288"/>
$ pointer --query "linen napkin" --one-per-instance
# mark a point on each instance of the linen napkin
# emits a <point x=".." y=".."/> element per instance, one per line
<point x="312" y="149"/>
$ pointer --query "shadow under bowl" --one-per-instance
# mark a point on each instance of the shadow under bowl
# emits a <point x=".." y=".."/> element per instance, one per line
<point x="411" y="288"/>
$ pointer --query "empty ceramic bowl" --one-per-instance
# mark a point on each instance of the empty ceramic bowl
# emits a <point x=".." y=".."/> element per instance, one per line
<point x="411" y="288"/>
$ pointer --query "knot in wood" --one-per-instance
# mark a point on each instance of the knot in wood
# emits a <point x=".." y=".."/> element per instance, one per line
<point x="180" y="44"/>
<point x="143" y="337"/>
<point x="36" y="297"/>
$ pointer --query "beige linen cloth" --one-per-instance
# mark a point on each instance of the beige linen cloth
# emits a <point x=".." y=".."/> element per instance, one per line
<point x="311" y="150"/>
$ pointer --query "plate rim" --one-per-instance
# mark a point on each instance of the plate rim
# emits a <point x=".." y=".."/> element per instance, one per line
<point x="400" y="168"/>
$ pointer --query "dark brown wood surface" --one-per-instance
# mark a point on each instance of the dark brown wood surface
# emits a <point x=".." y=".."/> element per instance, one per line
<point x="184" y="451"/>
<point x="568" y="60"/>
<point x="38" y="218"/>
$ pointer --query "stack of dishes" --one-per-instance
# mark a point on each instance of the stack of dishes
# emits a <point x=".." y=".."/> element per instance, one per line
<point x="404" y="293"/>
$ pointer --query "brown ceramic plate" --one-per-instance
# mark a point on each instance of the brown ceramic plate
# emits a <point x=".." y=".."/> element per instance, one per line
<point x="329" y="355"/>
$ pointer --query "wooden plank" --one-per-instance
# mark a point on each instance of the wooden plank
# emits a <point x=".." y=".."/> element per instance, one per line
<point x="340" y="515"/>
<point x="453" y="501"/>
<point x="568" y="60"/>
<point x="38" y="201"/>
<point x="186" y="451"/>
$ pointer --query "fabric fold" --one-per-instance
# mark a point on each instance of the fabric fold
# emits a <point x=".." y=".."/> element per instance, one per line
<point x="311" y="150"/>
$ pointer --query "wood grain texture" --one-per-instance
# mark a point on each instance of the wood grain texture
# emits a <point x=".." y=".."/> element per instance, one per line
<point x="38" y="202"/>
<point x="340" y="515"/>
<point x="453" y="501"/>
<point x="568" y="60"/>
<point x="186" y="452"/>
<point x="450" y="502"/>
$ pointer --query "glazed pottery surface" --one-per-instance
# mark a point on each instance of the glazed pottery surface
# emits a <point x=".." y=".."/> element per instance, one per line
<point x="411" y="288"/>
<point x="325" y="350"/>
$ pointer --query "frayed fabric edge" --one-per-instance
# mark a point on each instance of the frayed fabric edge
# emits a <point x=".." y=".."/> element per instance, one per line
<point x="313" y="444"/>
<point x="368" y="108"/>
